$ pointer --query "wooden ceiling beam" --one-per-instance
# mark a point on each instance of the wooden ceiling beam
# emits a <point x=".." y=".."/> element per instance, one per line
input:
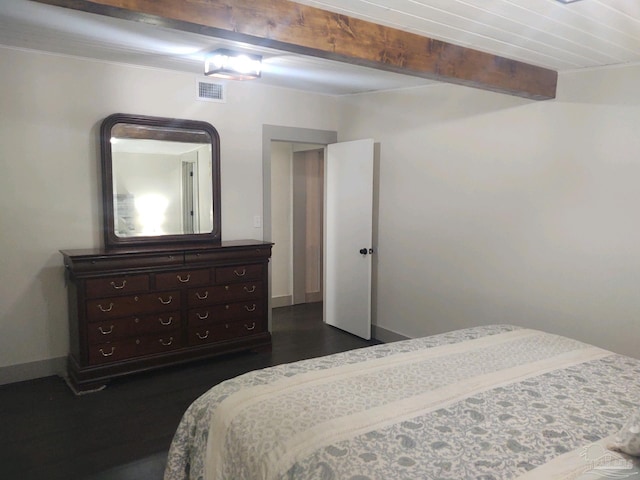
<point x="296" y="28"/>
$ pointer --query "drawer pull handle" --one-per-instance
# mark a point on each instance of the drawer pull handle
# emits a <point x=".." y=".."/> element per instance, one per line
<point x="105" y="354"/>
<point x="252" y="327"/>
<point x="202" y="317"/>
<point x="251" y="308"/>
<point x="119" y="287"/>
<point x="250" y="290"/>
<point x="203" y="337"/>
<point x="240" y="274"/>
<point x="166" y="302"/>
<point x="166" y="343"/>
<point x="166" y="323"/>
<point x="202" y="297"/>
<point x="184" y="280"/>
<point x="105" y="309"/>
<point x="106" y="332"/>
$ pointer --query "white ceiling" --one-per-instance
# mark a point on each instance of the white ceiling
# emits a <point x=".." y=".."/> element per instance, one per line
<point x="584" y="34"/>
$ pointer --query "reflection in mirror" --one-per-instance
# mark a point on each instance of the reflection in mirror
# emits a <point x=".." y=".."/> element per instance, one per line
<point x="176" y="199"/>
<point x="163" y="181"/>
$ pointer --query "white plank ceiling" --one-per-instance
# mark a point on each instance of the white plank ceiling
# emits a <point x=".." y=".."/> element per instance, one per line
<point x="546" y="33"/>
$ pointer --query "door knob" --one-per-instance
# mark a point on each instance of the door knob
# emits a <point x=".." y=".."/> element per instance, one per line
<point x="363" y="251"/>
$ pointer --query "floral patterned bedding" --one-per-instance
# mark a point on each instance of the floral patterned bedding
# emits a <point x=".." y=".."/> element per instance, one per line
<point x="492" y="402"/>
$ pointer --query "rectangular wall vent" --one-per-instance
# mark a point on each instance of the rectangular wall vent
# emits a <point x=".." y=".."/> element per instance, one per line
<point x="210" y="91"/>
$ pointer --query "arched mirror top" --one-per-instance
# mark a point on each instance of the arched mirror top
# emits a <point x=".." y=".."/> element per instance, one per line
<point x="160" y="181"/>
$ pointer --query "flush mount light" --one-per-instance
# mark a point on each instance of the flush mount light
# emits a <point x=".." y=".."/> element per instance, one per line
<point x="567" y="1"/>
<point x="228" y="64"/>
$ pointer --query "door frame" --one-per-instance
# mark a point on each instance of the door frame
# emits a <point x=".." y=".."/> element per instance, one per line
<point x="276" y="133"/>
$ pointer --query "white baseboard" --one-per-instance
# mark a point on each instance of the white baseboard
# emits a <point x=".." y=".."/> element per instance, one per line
<point x="282" y="301"/>
<point x="314" y="297"/>
<point x="386" y="336"/>
<point x="31" y="370"/>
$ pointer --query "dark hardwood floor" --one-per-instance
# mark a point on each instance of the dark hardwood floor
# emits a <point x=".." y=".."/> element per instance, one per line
<point x="124" y="431"/>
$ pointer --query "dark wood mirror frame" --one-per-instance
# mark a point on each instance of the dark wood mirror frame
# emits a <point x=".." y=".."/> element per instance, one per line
<point x="173" y="126"/>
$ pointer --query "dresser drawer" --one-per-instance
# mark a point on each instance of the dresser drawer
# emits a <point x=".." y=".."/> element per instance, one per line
<point x="240" y="273"/>
<point x="225" y="331"/>
<point x="112" y="352"/>
<point x="108" y="263"/>
<point x="224" y="313"/>
<point x="110" y="330"/>
<point x="214" y="256"/>
<point x="158" y="322"/>
<point x="159" y="343"/>
<point x="121" y="285"/>
<point x="119" y="328"/>
<point x="134" y="347"/>
<point x="115" y="307"/>
<point x="212" y="295"/>
<point x="167" y="281"/>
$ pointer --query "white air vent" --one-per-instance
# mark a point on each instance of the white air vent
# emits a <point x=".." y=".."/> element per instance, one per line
<point x="210" y="91"/>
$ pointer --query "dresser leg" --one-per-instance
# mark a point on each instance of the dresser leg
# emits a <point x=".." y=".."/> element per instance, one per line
<point x="84" y="388"/>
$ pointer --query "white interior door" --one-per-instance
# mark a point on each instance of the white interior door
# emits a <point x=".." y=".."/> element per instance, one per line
<point x="348" y="236"/>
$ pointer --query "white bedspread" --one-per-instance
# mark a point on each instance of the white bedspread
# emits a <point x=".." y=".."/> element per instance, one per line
<point x="492" y="402"/>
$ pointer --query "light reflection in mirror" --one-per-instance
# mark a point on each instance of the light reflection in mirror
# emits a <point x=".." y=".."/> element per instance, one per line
<point x="151" y="210"/>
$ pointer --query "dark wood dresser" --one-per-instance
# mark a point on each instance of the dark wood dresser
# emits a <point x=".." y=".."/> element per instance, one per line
<point x="136" y="310"/>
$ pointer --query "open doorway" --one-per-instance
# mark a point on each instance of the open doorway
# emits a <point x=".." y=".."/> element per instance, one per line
<point x="292" y="135"/>
<point x="297" y="205"/>
<point x="349" y="197"/>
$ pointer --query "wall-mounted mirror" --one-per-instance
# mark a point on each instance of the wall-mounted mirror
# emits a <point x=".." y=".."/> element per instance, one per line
<point x="160" y="181"/>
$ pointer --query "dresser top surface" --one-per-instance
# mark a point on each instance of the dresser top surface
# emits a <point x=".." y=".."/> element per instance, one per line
<point x="229" y="244"/>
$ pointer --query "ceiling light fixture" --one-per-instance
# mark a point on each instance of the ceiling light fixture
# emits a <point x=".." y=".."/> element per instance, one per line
<point x="567" y="1"/>
<point x="223" y="63"/>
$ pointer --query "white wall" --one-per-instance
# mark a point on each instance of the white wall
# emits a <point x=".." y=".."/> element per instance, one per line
<point x="51" y="108"/>
<point x="495" y="209"/>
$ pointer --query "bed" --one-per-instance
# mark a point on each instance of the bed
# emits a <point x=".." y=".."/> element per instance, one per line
<point x="487" y="403"/>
